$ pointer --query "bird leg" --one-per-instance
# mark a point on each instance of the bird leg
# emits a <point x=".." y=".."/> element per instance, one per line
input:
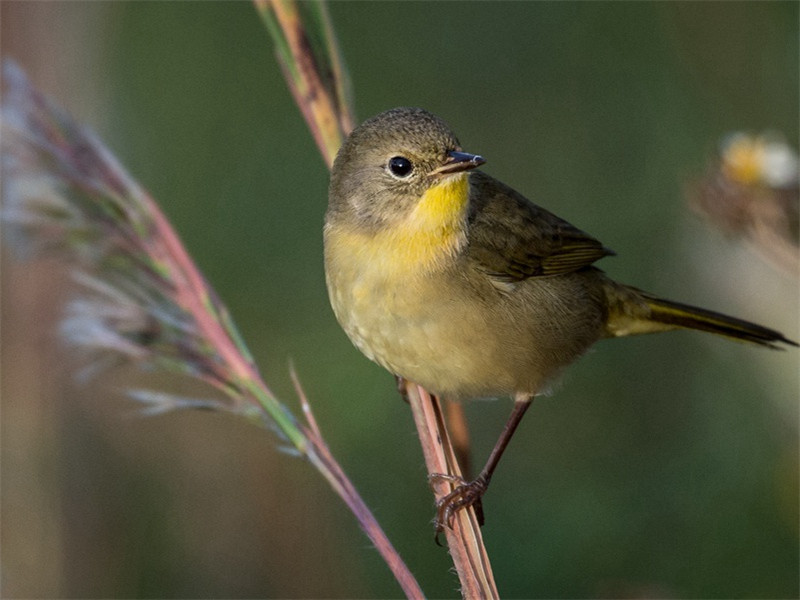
<point x="469" y="493"/>
<point x="402" y="387"/>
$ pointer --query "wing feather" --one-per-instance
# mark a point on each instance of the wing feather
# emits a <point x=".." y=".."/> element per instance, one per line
<point x="512" y="239"/>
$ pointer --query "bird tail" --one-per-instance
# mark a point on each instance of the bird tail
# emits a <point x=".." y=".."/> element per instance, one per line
<point x="656" y="314"/>
<point x="691" y="317"/>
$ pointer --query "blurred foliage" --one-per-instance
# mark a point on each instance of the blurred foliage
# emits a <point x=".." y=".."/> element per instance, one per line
<point x="663" y="465"/>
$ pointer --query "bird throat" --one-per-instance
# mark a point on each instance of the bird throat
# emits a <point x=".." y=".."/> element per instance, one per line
<point x="435" y="229"/>
<point x="443" y="204"/>
<point x="423" y="240"/>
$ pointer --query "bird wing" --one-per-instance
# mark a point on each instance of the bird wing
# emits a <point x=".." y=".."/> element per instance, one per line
<point x="512" y="239"/>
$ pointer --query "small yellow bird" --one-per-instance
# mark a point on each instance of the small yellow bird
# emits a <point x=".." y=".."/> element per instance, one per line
<point x="450" y="279"/>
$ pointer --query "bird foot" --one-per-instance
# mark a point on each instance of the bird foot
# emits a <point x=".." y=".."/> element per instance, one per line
<point x="466" y="493"/>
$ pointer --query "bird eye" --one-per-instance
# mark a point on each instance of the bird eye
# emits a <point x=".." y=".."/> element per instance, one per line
<point x="400" y="166"/>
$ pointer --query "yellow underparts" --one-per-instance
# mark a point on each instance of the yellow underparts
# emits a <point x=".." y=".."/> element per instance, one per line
<point x="434" y="231"/>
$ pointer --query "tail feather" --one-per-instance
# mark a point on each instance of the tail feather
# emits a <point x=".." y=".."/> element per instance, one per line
<point x="674" y="314"/>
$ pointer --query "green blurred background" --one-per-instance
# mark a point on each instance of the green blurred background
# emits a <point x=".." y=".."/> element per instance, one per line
<point x="663" y="466"/>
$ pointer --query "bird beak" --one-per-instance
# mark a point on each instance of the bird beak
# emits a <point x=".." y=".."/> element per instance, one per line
<point x="459" y="161"/>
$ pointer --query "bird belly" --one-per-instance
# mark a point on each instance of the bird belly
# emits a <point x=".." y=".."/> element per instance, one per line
<point x="411" y="334"/>
<point x="460" y="335"/>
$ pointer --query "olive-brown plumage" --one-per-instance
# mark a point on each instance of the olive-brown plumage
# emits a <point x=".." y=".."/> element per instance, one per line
<point x="451" y="279"/>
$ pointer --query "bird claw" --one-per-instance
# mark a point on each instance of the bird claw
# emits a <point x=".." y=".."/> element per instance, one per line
<point x="466" y="493"/>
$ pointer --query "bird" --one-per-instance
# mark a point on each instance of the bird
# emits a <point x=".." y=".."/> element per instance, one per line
<point x="451" y="279"/>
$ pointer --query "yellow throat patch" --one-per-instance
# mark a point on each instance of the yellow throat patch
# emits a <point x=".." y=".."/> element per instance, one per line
<point x="433" y="231"/>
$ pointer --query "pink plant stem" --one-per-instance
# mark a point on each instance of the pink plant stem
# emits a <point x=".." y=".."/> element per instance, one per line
<point x="464" y="539"/>
<point x="339" y="481"/>
<point x="192" y="292"/>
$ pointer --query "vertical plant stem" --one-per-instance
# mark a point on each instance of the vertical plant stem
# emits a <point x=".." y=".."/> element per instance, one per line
<point x="316" y="81"/>
<point x="464" y="539"/>
<point x="308" y="53"/>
